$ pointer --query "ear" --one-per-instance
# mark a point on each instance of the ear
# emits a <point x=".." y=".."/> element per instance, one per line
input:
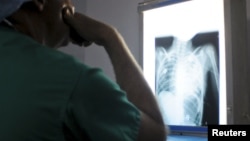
<point x="39" y="4"/>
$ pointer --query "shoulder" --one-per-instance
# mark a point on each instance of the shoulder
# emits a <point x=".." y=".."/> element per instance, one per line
<point x="99" y="104"/>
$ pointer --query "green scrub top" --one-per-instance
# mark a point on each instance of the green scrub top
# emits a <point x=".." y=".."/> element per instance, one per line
<point x="47" y="95"/>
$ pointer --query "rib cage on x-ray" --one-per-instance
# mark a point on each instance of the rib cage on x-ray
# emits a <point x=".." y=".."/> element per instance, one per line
<point x="181" y="76"/>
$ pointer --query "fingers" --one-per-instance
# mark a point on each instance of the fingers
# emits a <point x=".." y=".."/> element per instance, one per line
<point x="85" y="30"/>
<point x="71" y="21"/>
<point x="68" y="12"/>
<point x="67" y="15"/>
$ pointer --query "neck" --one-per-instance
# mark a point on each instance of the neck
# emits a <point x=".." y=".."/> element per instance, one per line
<point x="26" y="23"/>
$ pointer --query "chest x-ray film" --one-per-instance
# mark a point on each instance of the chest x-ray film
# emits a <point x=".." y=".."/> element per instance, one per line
<point x="183" y="60"/>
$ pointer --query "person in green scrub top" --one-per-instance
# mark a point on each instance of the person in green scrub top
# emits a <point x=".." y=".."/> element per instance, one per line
<point x="47" y="95"/>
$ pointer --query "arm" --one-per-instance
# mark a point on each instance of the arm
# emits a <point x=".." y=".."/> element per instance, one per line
<point x="127" y="71"/>
<point x="130" y="78"/>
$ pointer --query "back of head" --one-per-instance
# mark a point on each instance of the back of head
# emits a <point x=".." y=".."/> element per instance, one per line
<point x="40" y="19"/>
<point x="7" y="7"/>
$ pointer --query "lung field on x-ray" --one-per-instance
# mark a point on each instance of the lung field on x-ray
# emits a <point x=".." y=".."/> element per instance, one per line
<point x="187" y="79"/>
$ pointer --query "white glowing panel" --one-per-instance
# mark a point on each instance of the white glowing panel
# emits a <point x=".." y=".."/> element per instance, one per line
<point x="184" y="61"/>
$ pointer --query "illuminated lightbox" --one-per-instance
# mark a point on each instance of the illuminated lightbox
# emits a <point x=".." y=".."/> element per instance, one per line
<point x="183" y="47"/>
